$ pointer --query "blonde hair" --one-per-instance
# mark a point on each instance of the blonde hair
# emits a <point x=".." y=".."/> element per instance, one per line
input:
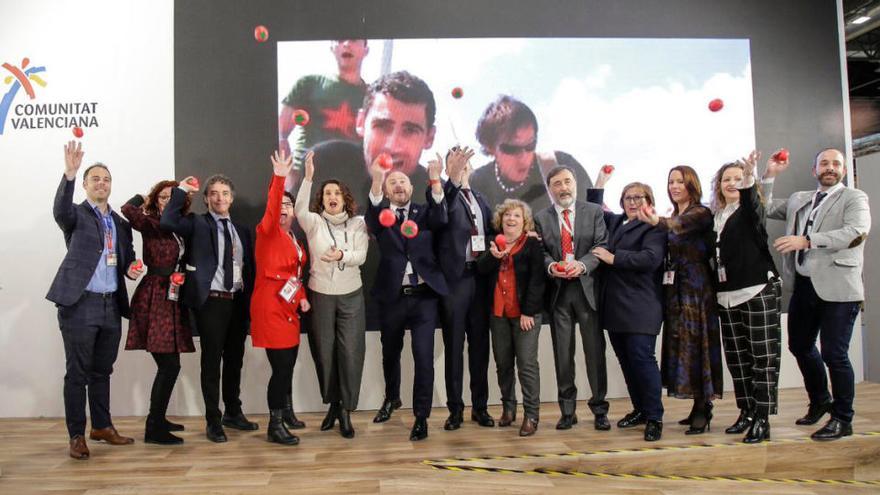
<point x="510" y="204"/>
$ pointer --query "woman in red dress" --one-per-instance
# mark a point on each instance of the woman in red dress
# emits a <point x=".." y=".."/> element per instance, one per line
<point x="278" y="293"/>
<point x="158" y="322"/>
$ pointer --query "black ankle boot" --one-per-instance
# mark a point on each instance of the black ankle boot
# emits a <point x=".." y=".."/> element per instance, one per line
<point x="743" y="422"/>
<point x="277" y="432"/>
<point x="156" y="432"/>
<point x="330" y="418"/>
<point x="290" y="419"/>
<point x="345" y="426"/>
<point x="758" y="431"/>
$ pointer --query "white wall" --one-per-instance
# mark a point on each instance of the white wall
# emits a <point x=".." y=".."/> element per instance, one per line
<point x="120" y="54"/>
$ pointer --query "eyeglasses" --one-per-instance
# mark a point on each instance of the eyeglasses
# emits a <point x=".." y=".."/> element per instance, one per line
<point x="633" y="199"/>
<point x="515" y="149"/>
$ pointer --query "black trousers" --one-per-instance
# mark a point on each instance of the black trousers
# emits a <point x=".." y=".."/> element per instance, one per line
<point x="222" y="332"/>
<point x="168" y="367"/>
<point x="419" y="314"/>
<point x="809" y="318"/>
<point x="466" y="315"/>
<point x="282" y="362"/>
<point x="91" y="330"/>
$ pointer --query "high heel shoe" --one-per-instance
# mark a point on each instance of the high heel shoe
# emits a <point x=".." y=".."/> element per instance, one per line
<point x="701" y="420"/>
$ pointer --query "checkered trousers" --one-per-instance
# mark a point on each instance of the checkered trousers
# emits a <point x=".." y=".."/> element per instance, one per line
<point x="751" y="333"/>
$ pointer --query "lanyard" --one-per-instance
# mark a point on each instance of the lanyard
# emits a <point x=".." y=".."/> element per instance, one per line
<point x="108" y="229"/>
<point x="339" y="264"/>
<point x="299" y="254"/>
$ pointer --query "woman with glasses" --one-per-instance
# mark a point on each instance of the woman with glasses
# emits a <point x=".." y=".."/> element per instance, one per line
<point x="749" y="297"/>
<point x="631" y="300"/>
<point x="338" y="246"/>
<point x="278" y="295"/>
<point x="158" y="323"/>
<point x="691" y="355"/>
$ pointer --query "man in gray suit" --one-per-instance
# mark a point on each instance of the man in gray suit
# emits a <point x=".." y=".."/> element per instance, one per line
<point x="822" y="260"/>
<point x="570" y="229"/>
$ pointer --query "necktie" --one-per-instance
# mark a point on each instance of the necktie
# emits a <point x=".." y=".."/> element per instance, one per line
<point x="227" y="255"/>
<point x="401" y="215"/>
<point x="567" y="244"/>
<point x="809" y="223"/>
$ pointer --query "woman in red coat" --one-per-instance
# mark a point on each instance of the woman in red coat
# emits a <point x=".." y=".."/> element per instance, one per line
<point x="158" y="322"/>
<point x="278" y="293"/>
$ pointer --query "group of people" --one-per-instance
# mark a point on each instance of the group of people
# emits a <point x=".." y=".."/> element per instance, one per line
<point x="704" y="275"/>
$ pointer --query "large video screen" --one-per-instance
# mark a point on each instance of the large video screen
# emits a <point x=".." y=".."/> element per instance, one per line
<point x="525" y="105"/>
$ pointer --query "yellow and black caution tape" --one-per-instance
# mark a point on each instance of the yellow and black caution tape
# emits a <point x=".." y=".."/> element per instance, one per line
<point x="673" y="477"/>
<point x="451" y="465"/>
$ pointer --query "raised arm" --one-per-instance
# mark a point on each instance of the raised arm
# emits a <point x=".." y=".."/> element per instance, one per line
<point x="62" y="207"/>
<point x="173" y="219"/>
<point x="133" y="211"/>
<point x="307" y="219"/>
<point x="281" y="165"/>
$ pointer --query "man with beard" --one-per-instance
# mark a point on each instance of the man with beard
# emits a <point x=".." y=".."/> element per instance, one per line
<point x="407" y="286"/>
<point x="823" y="252"/>
<point x="570" y="230"/>
<point x="332" y="104"/>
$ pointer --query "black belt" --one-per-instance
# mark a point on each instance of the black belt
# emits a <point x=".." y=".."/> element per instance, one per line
<point x="100" y="295"/>
<point x="219" y="294"/>
<point x="415" y="290"/>
<point x="160" y="271"/>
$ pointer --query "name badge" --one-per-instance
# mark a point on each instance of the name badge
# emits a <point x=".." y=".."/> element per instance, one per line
<point x="722" y="274"/>
<point x="236" y="273"/>
<point x="478" y="243"/>
<point x="668" y="277"/>
<point x="569" y="257"/>
<point x="111" y="259"/>
<point x="291" y="287"/>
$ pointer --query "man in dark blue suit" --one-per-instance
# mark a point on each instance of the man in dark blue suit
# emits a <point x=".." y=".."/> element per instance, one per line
<point x="465" y="311"/>
<point x="89" y="291"/>
<point x="407" y="285"/>
<point x="218" y="287"/>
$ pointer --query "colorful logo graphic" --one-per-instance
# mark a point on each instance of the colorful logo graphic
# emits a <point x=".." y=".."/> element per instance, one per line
<point x="20" y="77"/>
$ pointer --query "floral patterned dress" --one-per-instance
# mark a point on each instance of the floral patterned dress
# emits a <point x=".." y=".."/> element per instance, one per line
<point x="157" y="324"/>
<point x="691" y="353"/>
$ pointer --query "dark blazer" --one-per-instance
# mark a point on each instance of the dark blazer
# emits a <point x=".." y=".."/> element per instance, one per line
<point x="394" y="249"/>
<point x="630" y="290"/>
<point x="528" y="269"/>
<point x="452" y="240"/>
<point x="589" y="232"/>
<point x="743" y="244"/>
<point x="200" y="232"/>
<point x="84" y="237"/>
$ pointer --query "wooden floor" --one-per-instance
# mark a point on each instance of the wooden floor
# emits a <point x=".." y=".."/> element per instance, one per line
<point x="33" y="458"/>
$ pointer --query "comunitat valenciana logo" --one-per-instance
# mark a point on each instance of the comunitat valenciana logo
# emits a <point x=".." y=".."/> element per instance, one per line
<point x="26" y="113"/>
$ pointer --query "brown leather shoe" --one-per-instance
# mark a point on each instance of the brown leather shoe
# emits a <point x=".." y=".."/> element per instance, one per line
<point x="528" y="428"/>
<point x="111" y="436"/>
<point x="78" y="448"/>
<point x="507" y="418"/>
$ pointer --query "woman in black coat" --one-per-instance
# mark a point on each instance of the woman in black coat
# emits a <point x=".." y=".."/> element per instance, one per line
<point x="516" y="271"/>
<point x="631" y="301"/>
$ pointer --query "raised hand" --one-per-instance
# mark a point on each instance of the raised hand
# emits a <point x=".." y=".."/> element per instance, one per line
<point x="310" y="166"/>
<point x="435" y="167"/>
<point x="604" y="175"/>
<point x="775" y="166"/>
<point x="187" y="184"/>
<point x="73" y="155"/>
<point x="281" y="163"/>
<point x="457" y="162"/>
<point x="749" y="163"/>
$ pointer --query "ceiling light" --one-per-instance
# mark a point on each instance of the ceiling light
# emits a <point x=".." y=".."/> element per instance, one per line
<point x="861" y="20"/>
